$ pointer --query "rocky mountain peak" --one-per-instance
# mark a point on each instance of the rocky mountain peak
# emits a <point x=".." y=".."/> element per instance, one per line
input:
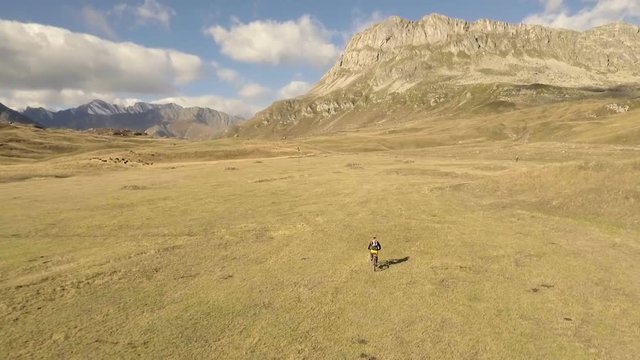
<point x="100" y="107"/>
<point x="9" y="115"/>
<point x="37" y="113"/>
<point x="616" y="29"/>
<point x="440" y="22"/>
<point x="486" y="51"/>
<point x="440" y="62"/>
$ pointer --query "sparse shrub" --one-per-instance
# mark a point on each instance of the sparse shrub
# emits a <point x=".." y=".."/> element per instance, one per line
<point x="231" y="168"/>
<point x="134" y="187"/>
<point x="354" y="166"/>
<point x="269" y="179"/>
<point x="262" y="180"/>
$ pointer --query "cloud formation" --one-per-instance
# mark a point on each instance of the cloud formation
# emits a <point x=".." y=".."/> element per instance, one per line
<point x="553" y="5"/>
<point x="596" y="13"/>
<point x="304" y="41"/>
<point x="294" y="89"/>
<point x="361" y="21"/>
<point x="53" y="67"/>
<point x="151" y="11"/>
<point x="227" y="75"/>
<point x="254" y="91"/>
<point x="38" y="56"/>
<point x="97" y="21"/>
<point x="245" y="88"/>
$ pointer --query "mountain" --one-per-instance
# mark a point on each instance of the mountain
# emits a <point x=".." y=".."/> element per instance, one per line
<point x="9" y="115"/>
<point x="440" y="65"/>
<point x="165" y="120"/>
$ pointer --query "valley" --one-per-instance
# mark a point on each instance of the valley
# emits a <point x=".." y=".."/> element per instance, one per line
<point x="241" y="248"/>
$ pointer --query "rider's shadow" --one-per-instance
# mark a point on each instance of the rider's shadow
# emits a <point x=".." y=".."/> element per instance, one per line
<point x="387" y="263"/>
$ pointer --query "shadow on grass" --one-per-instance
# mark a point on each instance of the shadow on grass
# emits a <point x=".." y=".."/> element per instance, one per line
<point x="388" y="263"/>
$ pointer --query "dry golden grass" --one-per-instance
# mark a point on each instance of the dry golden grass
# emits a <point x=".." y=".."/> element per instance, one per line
<point x="484" y="257"/>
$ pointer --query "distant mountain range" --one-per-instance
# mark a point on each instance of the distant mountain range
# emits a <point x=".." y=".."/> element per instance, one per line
<point x="11" y="116"/>
<point x="164" y="120"/>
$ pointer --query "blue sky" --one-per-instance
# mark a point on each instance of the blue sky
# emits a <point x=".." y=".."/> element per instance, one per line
<point x="235" y="56"/>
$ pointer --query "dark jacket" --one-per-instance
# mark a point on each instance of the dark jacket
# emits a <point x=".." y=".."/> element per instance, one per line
<point x="377" y="246"/>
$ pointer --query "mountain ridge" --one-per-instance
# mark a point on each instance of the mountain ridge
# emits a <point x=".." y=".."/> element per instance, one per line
<point x="446" y="65"/>
<point x="9" y="115"/>
<point x="488" y="38"/>
<point x="163" y="120"/>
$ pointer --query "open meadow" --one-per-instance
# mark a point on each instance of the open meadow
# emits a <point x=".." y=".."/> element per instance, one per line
<point x="245" y="249"/>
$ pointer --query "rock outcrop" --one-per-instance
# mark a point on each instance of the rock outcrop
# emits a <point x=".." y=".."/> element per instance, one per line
<point x="441" y="63"/>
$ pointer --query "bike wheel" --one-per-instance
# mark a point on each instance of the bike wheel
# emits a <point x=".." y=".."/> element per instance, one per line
<point x="375" y="263"/>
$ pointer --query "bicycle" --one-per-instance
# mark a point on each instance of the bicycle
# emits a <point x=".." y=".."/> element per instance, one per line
<point x="374" y="259"/>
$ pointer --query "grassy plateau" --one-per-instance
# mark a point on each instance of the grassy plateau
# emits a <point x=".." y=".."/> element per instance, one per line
<point x="116" y="247"/>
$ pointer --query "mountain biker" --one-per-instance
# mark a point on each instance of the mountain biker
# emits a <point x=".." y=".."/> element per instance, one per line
<point x="374" y="247"/>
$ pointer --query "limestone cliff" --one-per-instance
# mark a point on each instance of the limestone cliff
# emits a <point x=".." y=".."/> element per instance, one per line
<point x="440" y="63"/>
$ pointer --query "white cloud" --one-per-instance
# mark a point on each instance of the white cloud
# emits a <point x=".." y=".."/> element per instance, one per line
<point x="37" y="56"/>
<point x="294" y="89"/>
<point x="254" y="91"/>
<point x="361" y="20"/>
<point x="120" y="9"/>
<point x="226" y="105"/>
<point x="246" y="88"/>
<point x="272" y="42"/>
<point x="553" y="5"/>
<point x="151" y="11"/>
<point x="97" y="22"/>
<point x="227" y="75"/>
<point x="596" y="13"/>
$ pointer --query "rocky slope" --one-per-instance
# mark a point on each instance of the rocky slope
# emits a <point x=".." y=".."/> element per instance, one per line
<point x="439" y="64"/>
<point x="9" y="115"/>
<point x="166" y="120"/>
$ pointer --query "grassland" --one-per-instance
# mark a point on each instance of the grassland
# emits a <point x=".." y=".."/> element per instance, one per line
<point x="246" y="249"/>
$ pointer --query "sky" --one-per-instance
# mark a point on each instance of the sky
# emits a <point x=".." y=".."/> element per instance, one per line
<point x="230" y="55"/>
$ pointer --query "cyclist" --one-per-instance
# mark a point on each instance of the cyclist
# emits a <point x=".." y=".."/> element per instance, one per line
<point x="374" y="247"/>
